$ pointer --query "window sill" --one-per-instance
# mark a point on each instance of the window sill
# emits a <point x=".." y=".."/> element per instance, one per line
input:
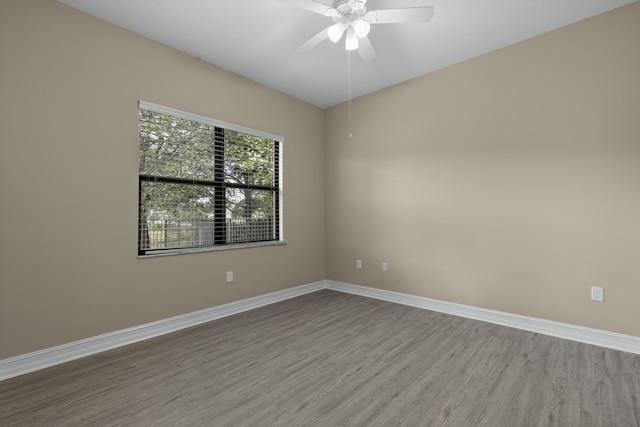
<point x="170" y="252"/>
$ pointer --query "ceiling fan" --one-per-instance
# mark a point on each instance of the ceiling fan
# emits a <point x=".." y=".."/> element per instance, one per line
<point x="353" y="18"/>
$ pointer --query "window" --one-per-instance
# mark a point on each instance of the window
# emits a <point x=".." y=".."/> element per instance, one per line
<point x="204" y="183"/>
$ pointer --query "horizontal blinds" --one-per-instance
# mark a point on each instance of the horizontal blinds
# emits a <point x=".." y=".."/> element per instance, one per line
<point x="201" y="184"/>
<point x="144" y="105"/>
<point x="183" y="216"/>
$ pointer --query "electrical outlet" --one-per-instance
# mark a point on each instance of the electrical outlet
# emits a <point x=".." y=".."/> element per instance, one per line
<point x="385" y="266"/>
<point x="229" y="276"/>
<point x="597" y="294"/>
<point x="358" y="263"/>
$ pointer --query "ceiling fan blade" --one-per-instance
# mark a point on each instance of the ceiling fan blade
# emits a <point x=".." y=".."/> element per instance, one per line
<point x="366" y="50"/>
<point x="313" y="6"/>
<point x="400" y="16"/>
<point x="313" y="41"/>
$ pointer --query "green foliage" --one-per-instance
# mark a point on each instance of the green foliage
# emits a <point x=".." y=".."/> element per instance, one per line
<point x="185" y="149"/>
<point x="249" y="160"/>
<point x="175" y="147"/>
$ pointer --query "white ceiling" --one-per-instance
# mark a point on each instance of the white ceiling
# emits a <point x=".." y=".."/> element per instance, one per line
<point x="257" y="38"/>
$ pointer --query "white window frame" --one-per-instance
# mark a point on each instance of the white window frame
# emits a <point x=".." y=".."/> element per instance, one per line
<point x="144" y="105"/>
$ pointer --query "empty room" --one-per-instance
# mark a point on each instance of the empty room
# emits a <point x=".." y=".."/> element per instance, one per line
<point x="319" y="213"/>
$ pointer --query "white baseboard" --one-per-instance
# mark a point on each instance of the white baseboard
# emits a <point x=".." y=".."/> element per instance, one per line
<point x="30" y="362"/>
<point x="34" y="361"/>
<point x="627" y="343"/>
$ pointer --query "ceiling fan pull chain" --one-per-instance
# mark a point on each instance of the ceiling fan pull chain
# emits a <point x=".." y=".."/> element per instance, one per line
<point x="349" y="91"/>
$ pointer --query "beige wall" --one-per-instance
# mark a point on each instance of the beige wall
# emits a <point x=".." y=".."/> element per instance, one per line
<point x="510" y="181"/>
<point x="69" y="87"/>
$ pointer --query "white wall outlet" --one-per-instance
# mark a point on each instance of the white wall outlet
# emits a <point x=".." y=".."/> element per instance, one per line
<point x="597" y="294"/>
<point x="229" y="276"/>
<point x="385" y="266"/>
<point x="358" y="263"/>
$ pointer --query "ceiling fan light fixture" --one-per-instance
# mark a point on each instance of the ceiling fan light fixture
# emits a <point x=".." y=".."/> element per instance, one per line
<point x="361" y="28"/>
<point x="335" y="32"/>
<point x="351" y="42"/>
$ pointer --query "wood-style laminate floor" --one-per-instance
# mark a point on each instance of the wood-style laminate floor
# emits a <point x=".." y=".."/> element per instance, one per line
<point x="334" y="359"/>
